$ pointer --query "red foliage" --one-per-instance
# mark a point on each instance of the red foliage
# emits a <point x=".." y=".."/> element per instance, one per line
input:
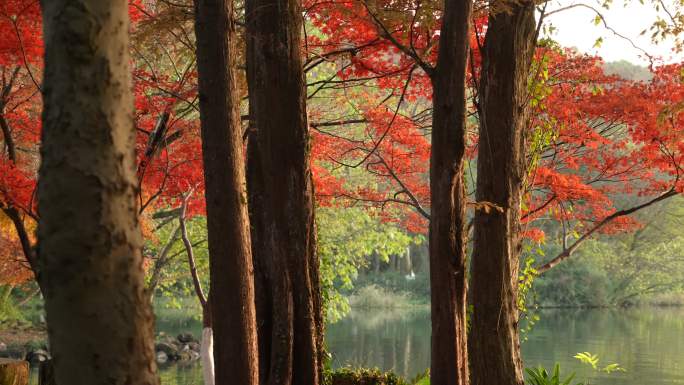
<point x="594" y="139"/>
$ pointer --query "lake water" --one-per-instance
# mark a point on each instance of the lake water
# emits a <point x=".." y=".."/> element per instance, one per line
<point x="647" y="342"/>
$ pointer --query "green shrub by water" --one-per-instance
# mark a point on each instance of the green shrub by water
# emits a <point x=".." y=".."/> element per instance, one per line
<point x="377" y="297"/>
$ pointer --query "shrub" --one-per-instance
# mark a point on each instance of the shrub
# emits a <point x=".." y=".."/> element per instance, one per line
<point x="351" y="376"/>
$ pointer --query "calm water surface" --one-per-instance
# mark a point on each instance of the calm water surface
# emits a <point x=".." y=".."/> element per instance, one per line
<point x="648" y="342"/>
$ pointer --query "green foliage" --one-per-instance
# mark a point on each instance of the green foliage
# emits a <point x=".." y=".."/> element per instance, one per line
<point x="9" y="312"/>
<point x="539" y="376"/>
<point x="528" y="312"/>
<point x="593" y="361"/>
<point x="175" y="281"/>
<point x="364" y="376"/>
<point x="394" y="281"/>
<point x="347" y="237"/>
<point x="377" y="297"/>
<point x="361" y="376"/>
<point x="620" y="269"/>
<point x="578" y="281"/>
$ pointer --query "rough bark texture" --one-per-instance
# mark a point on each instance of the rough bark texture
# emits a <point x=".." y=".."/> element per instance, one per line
<point x="501" y="167"/>
<point x="14" y="372"/>
<point x="281" y="198"/>
<point x="90" y="242"/>
<point x="449" y="364"/>
<point x="231" y="297"/>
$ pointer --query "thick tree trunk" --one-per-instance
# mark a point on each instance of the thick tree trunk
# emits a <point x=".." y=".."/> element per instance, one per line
<point x="231" y="297"/>
<point x="14" y="372"/>
<point x="501" y="167"/>
<point x="449" y="364"/>
<point x="281" y="198"/>
<point x="90" y="243"/>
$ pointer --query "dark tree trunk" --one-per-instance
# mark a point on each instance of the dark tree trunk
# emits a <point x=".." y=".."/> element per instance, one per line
<point x="449" y="364"/>
<point x="501" y="167"/>
<point x="46" y="373"/>
<point x="98" y="313"/>
<point x="231" y="290"/>
<point x="281" y="198"/>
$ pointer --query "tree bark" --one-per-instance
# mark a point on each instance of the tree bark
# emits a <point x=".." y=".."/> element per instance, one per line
<point x="501" y="167"/>
<point x="46" y="373"/>
<point x="207" y="356"/>
<point x="231" y="297"/>
<point x="90" y="242"/>
<point x="14" y="372"/>
<point x="449" y="363"/>
<point x="281" y="197"/>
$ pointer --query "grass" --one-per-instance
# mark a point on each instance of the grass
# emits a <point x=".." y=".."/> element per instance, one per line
<point x="376" y="297"/>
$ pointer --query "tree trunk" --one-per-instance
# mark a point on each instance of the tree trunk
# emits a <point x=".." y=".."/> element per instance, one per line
<point x="282" y="198"/>
<point x="449" y="363"/>
<point x="501" y="167"/>
<point x="90" y="242"/>
<point x="231" y="297"/>
<point x="46" y="373"/>
<point x="207" y="346"/>
<point x="160" y="262"/>
<point x="207" y="356"/>
<point x="407" y="266"/>
<point x="14" y="372"/>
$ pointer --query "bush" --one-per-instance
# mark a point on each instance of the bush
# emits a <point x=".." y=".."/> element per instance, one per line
<point x="418" y="287"/>
<point x="374" y="297"/>
<point x="350" y="376"/>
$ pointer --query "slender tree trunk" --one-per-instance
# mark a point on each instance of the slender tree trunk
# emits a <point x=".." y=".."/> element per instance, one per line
<point x="501" y="167"/>
<point x="89" y="236"/>
<point x="449" y="364"/>
<point x="281" y="197"/>
<point x="231" y="290"/>
<point x="12" y="212"/>
<point x="207" y="346"/>
<point x="160" y="262"/>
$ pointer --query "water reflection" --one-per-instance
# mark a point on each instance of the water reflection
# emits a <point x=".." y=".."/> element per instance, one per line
<point x="648" y="342"/>
<point x="387" y="339"/>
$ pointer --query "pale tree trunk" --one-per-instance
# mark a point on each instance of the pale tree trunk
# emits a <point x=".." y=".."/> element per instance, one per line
<point x="449" y="363"/>
<point x="231" y="298"/>
<point x="207" y="356"/>
<point x="281" y="198"/>
<point x="99" y="316"/>
<point x="501" y="167"/>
